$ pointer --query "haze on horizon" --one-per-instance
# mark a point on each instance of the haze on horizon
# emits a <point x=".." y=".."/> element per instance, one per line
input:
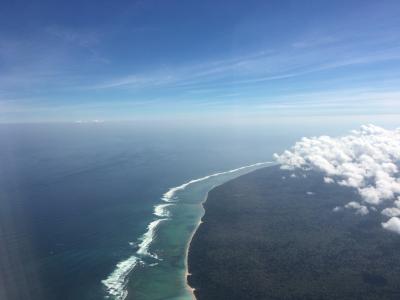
<point x="129" y="60"/>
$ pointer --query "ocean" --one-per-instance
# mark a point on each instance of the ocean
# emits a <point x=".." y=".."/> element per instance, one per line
<point x="105" y="211"/>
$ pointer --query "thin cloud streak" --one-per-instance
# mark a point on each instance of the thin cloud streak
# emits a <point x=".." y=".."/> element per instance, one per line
<point x="209" y="75"/>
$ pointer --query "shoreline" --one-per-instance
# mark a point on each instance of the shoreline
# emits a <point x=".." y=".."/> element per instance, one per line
<point x="190" y="289"/>
<point x="187" y="274"/>
<point x="117" y="283"/>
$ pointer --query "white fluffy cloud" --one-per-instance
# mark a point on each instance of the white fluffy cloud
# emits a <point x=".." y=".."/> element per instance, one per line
<point x="393" y="225"/>
<point x="391" y="212"/>
<point x="328" y="180"/>
<point x="367" y="160"/>
<point x="360" y="209"/>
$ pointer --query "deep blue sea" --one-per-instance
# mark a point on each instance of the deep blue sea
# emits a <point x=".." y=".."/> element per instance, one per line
<point x="75" y="198"/>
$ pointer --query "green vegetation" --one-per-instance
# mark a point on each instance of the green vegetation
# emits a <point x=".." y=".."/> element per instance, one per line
<point x="265" y="237"/>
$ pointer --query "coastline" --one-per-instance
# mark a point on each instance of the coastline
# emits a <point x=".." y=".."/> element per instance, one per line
<point x="187" y="274"/>
<point x="200" y="222"/>
<point x="169" y="235"/>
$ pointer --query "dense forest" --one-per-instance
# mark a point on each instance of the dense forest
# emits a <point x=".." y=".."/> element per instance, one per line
<point x="273" y="234"/>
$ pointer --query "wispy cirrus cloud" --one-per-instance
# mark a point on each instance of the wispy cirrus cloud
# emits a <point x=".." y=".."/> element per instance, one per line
<point x="253" y="69"/>
<point x="64" y="65"/>
<point x="315" y="42"/>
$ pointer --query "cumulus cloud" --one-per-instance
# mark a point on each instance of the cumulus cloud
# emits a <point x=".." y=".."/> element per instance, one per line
<point x="328" y="180"/>
<point x="367" y="160"/>
<point x="391" y="212"/>
<point x="360" y="209"/>
<point x="393" y="225"/>
<point x="337" y="208"/>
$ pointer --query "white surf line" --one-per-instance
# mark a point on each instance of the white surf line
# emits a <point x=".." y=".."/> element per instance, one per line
<point x="147" y="238"/>
<point x="161" y="210"/>
<point x="170" y="195"/>
<point x="116" y="283"/>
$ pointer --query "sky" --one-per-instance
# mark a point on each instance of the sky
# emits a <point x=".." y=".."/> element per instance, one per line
<point x="130" y="60"/>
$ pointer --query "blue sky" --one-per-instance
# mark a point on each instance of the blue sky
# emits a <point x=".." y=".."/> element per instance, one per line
<point x="128" y="60"/>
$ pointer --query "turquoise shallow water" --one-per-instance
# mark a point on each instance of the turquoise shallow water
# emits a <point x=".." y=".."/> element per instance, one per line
<point x="158" y="268"/>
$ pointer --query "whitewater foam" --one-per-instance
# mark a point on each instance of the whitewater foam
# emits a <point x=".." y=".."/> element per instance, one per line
<point x="169" y="196"/>
<point x="161" y="210"/>
<point x="116" y="283"/>
<point x="147" y="238"/>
